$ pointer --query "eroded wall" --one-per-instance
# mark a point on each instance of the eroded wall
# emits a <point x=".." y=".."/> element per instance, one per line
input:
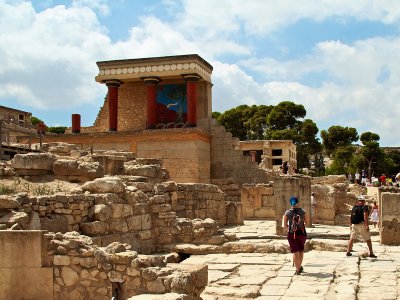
<point x="390" y="218"/>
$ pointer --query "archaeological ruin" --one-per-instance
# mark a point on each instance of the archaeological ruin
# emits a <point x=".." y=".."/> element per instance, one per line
<point x="140" y="205"/>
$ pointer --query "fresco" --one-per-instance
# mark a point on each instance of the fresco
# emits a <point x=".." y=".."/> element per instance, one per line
<point x="171" y="103"/>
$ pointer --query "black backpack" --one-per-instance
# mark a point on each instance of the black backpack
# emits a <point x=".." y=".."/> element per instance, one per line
<point x="357" y="214"/>
<point x="296" y="223"/>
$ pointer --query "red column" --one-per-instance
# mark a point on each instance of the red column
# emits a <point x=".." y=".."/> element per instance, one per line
<point x="191" y="94"/>
<point x="76" y="123"/>
<point x="253" y="155"/>
<point x="113" y="104"/>
<point x="151" y="87"/>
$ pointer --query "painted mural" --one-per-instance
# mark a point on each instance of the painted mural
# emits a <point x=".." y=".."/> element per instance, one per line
<point x="171" y="103"/>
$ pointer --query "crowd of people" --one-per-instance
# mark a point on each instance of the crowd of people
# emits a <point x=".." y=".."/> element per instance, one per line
<point x="383" y="180"/>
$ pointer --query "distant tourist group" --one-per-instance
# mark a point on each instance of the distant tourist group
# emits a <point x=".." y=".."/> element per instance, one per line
<point x="383" y="180"/>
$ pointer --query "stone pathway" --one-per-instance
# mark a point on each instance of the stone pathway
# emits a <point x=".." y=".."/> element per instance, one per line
<point x="328" y="275"/>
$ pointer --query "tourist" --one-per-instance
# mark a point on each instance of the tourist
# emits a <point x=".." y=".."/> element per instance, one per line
<point x="294" y="222"/>
<point x="357" y="178"/>
<point x="285" y="167"/>
<point x="359" y="226"/>
<point x="398" y="179"/>
<point x="382" y="179"/>
<point x="350" y="178"/>
<point x="363" y="178"/>
<point x="313" y="208"/>
<point x="374" y="217"/>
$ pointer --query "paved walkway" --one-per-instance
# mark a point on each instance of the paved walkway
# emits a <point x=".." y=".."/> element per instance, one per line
<point x="328" y="275"/>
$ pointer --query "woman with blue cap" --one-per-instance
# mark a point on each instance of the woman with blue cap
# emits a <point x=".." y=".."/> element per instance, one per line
<point x="295" y="222"/>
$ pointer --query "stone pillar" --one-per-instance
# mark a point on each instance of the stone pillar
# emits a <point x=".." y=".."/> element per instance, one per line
<point x="253" y="155"/>
<point x="191" y="95"/>
<point x="151" y="88"/>
<point x="113" y="86"/>
<point x="76" y="123"/>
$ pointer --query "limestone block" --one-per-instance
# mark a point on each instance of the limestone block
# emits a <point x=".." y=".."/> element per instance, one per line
<point x="127" y="210"/>
<point x="156" y="286"/>
<point x="146" y="222"/>
<point x="134" y="223"/>
<point x="54" y="223"/>
<point x="160" y="208"/>
<point x="65" y="167"/>
<point x="117" y="210"/>
<point x="8" y="202"/>
<point x="132" y="271"/>
<point x="118" y="225"/>
<point x="33" y="161"/>
<point x="14" y="217"/>
<point x="151" y="171"/>
<point x="61" y="260"/>
<point x="124" y="258"/>
<point x="34" y="221"/>
<point x="234" y="213"/>
<point x="115" y="276"/>
<point x="69" y="276"/>
<point x="265" y="212"/>
<point x="90" y="170"/>
<point x="94" y="228"/>
<point x="104" y="185"/>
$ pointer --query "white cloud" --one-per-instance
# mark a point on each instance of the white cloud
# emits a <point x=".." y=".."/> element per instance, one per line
<point x="48" y="58"/>
<point x="262" y="17"/>
<point x="96" y="5"/>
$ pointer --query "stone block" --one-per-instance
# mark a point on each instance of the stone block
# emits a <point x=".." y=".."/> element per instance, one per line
<point x="61" y="260"/>
<point x="118" y="225"/>
<point x="146" y="222"/>
<point x="102" y="212"/>
<point x="94" y="228"/>
<point x="134" y="223"/>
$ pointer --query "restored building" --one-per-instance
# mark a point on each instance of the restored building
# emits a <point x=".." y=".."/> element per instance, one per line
<point x="161" y="107"/>
<point x="272" y="153"/>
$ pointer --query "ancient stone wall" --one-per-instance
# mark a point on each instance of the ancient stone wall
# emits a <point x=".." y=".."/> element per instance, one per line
<point x="228" y="163"/>
<point x="23" y="274"/>
<point x="287" y="186"/>
<point x="258" y="201"/>
<point x="389" y="220"/>
<point x="200" y="201"/>
<point x="38" y="265"/>
<point x="187" y="160"/>
<point x="113" y="209"/>
<point x="334" y="199"/>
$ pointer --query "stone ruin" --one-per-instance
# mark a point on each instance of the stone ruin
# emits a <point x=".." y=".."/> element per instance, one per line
<point x="123" y="226"/>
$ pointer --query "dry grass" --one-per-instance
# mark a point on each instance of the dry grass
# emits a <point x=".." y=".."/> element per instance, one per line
<point x="46" y="186"/>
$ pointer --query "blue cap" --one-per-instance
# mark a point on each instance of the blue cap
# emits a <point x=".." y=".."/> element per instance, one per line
<point x="293" y="200"/>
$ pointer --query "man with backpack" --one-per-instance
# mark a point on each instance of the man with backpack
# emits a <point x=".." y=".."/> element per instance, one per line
<point x="295" y="223"/>
<point x="359" y="226"/>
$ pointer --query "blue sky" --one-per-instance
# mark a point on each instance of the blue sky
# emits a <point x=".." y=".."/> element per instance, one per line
<point x="338" y="58"/>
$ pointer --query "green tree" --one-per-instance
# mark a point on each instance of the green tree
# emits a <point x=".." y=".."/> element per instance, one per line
<point x="234" y="121"/>
<point x="256" y="124"/>
<point x="285" y="115"/>
<point x="341" y="160"/>
<point x="57" y="129"/>
<point x="35" y="120"/>
<point x="336" y="137"/>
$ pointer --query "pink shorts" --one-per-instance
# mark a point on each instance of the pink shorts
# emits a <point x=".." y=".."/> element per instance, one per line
<point x="297" y="245"/>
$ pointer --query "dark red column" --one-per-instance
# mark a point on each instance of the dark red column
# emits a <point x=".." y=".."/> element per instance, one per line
<point x="151" y="88"/>
<point x="76" y="123"/>
<point x="113" y="104"/>
<point x="253" y="155"/>
<point x="191" y="96"/>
